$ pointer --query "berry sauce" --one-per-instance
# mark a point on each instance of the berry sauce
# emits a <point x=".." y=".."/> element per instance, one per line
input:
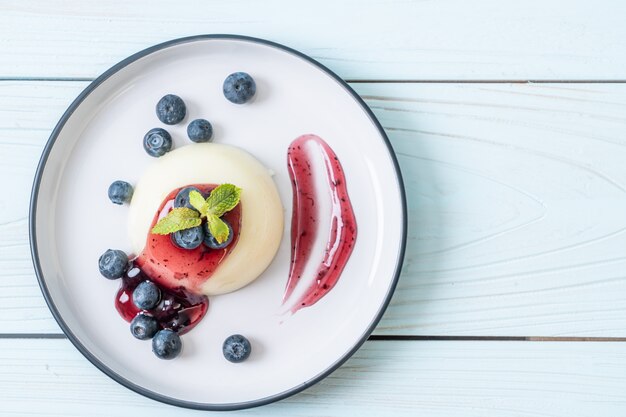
<point x="179" y="273"/>
<point x="178" y="310"/>
<point x="304" y="222"/>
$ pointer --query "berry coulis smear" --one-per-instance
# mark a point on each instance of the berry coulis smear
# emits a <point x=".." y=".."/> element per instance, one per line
<point x="178" y="310"/>
<point x="179" y="273"/>
<point x="305" y="220"/>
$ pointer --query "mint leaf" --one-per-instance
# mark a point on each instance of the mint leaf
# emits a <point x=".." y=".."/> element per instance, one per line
<point x="223" y="198"/>
<point x="218" y="228"/>
<point x="197" y="201"/>
<point x="177" y="219"/>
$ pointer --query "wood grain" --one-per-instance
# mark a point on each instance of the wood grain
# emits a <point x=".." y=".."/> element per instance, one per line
<point x="516" y="198"/>
<point x="371" y="39"/>
<point x="470" y="379"/>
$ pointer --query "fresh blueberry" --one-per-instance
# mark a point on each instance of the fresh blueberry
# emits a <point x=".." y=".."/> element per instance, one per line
<point x="211" y="242"/>
<point x="239" y="87"/>
<point x="171" y="109"/>
<point x="143" y="326"/>
<point x="236" y="348"/>
<point x="166" y="344"/>
<point x="157" y="142"/>
<point x="146" y="295"/>
<point x="188" y="238"/>
<point x="113" y="263"/>
<point x="200" y="130"/>
<point x="120" y="192"/>
<point x="182" y="198"/>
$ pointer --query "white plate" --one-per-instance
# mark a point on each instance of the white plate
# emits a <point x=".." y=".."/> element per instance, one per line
<point x="99" y="140"/>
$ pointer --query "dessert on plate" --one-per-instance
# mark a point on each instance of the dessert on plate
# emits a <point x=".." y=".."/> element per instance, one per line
<point x="206" y="219"/>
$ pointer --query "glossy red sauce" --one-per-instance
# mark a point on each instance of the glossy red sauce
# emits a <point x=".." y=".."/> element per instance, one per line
<point x="179" y="273"/>
<point x="305" y="219"/>
<point x="179" y="309"/>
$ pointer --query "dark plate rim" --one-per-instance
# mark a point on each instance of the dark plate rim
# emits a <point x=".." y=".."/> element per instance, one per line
<point x="35" y="251"/>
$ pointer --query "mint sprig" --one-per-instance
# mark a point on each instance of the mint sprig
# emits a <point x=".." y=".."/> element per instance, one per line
<point x="177" y="219"/>
<point x="222" y="199"/>
<point x="218" y="228"/>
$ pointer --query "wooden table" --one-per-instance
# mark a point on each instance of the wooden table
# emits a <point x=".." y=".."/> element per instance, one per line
<point x="509" y="121"/>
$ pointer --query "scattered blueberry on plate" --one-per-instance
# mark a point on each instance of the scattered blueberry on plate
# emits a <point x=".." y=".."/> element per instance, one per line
<point x="166" y="344"/>
<point x="146" y="295"/>
<point x="171" y="109"/>
<point x="200" y="130"/>
<point x="239" y="87"/>
<point x="236" y="348"/>
<point x="157" y="142"/>
<point x="120" y="192"/>
<point x="143" y="326"/>
<point x="113" y="264"/>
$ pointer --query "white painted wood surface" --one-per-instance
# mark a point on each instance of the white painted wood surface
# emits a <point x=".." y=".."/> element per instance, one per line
<point x="364" y="39"/>
<point x="517" y="196"/>
<point x="469" y="379"/>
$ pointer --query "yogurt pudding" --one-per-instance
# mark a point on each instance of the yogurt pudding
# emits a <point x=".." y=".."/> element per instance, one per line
<point x="260" y="226"/>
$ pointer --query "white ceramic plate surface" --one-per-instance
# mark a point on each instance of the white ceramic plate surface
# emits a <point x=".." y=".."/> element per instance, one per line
<point x="99" y="140"/>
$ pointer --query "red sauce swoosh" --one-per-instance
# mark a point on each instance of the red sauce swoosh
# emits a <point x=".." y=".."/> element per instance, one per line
<point x="304" y="223"/>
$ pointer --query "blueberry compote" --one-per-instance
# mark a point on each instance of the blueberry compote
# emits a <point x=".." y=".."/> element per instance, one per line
<point x="179" y="273"/>
<point x="342" y="234"/>
<point x="179" y="309"/>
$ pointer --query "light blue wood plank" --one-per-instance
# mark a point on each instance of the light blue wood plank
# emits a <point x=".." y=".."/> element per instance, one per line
<point x="447" y="379"/>
<point x="371" y="39"/>
<point x="517" y="202"/>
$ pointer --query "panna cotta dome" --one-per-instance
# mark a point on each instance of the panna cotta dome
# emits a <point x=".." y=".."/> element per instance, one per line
<point x="210" y="163"/>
